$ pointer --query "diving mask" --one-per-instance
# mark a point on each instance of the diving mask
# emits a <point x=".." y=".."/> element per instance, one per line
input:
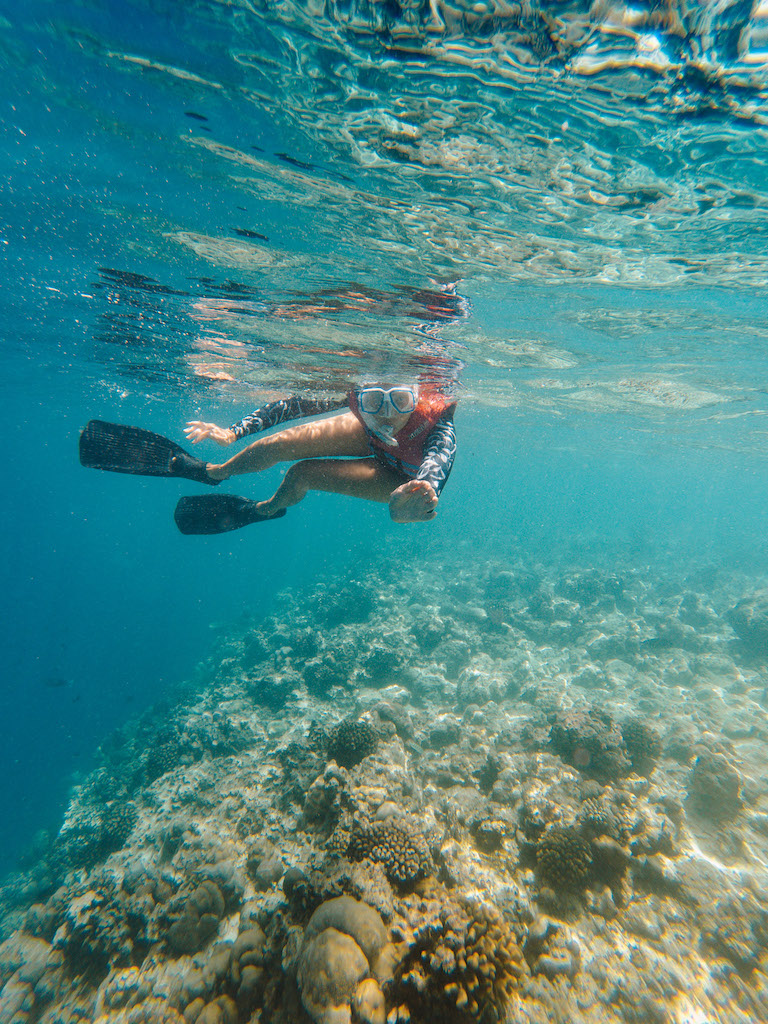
<point x="381" y="408"/>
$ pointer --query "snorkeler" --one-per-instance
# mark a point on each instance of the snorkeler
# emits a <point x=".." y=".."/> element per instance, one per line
<point x="393" y="444"/>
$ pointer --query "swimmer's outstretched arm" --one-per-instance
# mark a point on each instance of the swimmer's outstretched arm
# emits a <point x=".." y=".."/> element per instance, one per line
<point x="416" y="500"/>
<point x="270" y="415"/>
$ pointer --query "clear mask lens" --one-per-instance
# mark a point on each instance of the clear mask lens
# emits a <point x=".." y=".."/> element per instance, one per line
<point x="377" y="401"/>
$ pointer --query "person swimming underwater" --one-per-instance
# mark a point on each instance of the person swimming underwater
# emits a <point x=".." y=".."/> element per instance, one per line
<point x="394" y="444"/>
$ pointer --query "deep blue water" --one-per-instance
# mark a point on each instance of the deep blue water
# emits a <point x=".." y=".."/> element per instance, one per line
<point x="176" y="177"/>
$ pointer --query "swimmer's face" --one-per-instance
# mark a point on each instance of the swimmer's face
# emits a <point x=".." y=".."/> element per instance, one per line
<point x="386" y="410"/>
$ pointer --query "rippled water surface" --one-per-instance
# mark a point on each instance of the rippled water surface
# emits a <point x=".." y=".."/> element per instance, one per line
<point x="196" y="191"/>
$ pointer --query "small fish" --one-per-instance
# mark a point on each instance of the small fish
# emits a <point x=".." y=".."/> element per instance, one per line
<point x="55" y="682"/>
<point x="294" y="162"/>
<point x="196" y="116"/>
<point x="247" y="233"/>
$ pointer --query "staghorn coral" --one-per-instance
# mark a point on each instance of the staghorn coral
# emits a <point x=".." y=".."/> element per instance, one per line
<point x="564" y="858"/>
<point x="403" y="854"/>
<point x="459" y="962"/>
<point x="592" y="742"/>
<point x="350" y="742"/>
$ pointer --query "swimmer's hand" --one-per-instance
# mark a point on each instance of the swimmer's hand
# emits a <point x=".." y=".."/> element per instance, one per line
<point x="413" y="502"/>
<point x="198" y="431"/>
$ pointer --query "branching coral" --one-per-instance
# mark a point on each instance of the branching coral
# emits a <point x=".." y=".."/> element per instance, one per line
<point x="564" y="858"/>
<point x="404" y="855"/>
<point x="461" y="963"/>
<point x="350" y="742"/>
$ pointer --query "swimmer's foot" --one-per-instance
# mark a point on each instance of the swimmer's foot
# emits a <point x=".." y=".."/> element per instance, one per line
<point x="219" y="513"/>
<point x="122" y="449"/>
<point x="413" y="502"/>
<point x="188" y="467"/>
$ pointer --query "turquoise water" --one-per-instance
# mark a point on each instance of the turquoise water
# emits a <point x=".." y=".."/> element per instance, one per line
<point x="209" y="204"/>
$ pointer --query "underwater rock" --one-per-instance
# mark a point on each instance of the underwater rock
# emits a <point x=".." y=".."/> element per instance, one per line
<point x="592" y="742"/>
<point x="737" y="927"/>
<point x="382" y="664"/>
<point x="346" y="603"/>
<point x="714" y="787"/>
<point x="444" y="733"/>
<point x="749" y="621"/>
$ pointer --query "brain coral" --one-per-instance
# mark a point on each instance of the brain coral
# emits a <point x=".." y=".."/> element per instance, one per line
<point x="330" y="966"/>
<point x="405" y="856"/>
<point x="461" y="965"/>
<point x="355" y="919"/>
<point x="343" y="943"/>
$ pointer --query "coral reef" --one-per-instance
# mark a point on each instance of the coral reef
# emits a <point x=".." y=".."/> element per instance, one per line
<point x="342" y="948"/>
<point x="643" y="744"/>
<point x="266" y="848"/>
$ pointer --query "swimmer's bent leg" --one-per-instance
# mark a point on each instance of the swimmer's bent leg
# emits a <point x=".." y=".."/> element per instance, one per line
<point x="341" y="435"/>
<point x="357" y="478"/>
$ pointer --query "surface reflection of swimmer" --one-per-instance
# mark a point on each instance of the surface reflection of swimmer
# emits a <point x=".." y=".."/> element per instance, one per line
<point x="441" y="303"/>
<point x="393" y="444"/>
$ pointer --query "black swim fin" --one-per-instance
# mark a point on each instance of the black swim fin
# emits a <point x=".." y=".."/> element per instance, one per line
<point x="121" y="449"/>
<point x="218" y="513"/>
